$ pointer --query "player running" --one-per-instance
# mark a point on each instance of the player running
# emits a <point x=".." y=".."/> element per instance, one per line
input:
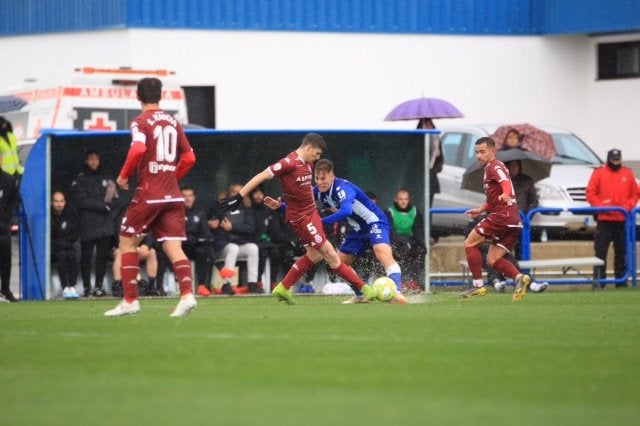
<point x="295" y="173"/>
<point x="501" y="228"/>
<point x="161" y="155"/>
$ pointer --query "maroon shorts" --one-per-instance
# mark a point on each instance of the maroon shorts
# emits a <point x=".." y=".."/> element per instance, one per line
<point x="503" y="234"/>
<point x="310" y="230"/>
<point x="166" y="221"/>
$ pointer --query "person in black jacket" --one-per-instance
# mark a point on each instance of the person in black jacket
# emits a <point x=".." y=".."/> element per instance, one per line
<point x="198" y="247"/>
<point x="9" y="199"/>
<point x="65" y="232"/>
<point x="93" y="193"/>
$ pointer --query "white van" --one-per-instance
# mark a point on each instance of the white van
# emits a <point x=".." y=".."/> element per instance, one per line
<point x="89" y="98"/>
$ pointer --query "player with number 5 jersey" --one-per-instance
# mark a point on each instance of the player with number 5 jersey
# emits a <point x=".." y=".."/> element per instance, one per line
<point x="161" y="155"/>
<point x="295" y="173"/>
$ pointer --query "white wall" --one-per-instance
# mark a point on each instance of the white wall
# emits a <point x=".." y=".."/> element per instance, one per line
<point x="268" y="80"/>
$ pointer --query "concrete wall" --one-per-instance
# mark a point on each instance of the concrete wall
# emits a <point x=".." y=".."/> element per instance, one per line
<point x="270" y="80"/>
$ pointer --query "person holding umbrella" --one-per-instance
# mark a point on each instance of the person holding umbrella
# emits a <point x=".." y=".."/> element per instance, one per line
<point x="501" y="228"/>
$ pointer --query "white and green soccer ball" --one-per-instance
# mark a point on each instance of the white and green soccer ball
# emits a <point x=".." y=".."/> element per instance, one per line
<point x="385" y="289"/>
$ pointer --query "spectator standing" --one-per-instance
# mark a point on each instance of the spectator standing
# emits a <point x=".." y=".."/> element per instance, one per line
<point x="9" y="200"/>
<point x="407" y="237"/>
<point x="65" y="232"/>
<point x="295" y="173"/>
<point x="9" y="151"/>
<point x="436" y="162"/>
<point x="198" y="246"/>
<point x="612" y="185"/>
<point x="93" y="195"/>
<point x="161" y="155"/>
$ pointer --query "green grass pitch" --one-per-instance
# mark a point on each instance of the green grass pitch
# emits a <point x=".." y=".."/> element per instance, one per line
<point x="556" y="358"/>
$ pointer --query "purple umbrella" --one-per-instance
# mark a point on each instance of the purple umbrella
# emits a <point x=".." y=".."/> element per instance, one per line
<point x="416" y="109"/>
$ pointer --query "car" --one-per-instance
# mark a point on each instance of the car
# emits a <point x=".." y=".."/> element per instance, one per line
<point x="564" y="188"/>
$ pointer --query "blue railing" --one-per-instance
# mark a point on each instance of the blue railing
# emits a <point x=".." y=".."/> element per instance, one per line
<point x="630" y="233"/>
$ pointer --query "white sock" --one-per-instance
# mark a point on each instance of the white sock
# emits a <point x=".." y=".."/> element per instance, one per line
<point x="478" y="283"/>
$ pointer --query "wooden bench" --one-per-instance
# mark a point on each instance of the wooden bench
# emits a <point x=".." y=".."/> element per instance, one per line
<point x="566" y="264"/>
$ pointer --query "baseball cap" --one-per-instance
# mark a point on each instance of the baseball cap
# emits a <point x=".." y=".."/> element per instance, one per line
<point x="614" y="155"/>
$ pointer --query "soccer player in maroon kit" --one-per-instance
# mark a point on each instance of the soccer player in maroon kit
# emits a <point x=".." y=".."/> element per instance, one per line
<point x="501" y="228"/>
<point x="161" y="155"/>
<point x="295" y="173"/>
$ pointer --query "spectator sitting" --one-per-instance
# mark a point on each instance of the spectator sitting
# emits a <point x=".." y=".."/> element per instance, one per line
<point x="272" y="237"/>
<point x="234" y="236"/>
<point x="407" y="236"/>
<point x="198" y="246"/>
<point x="146" y="253"/>
<point x="65" y="232"/>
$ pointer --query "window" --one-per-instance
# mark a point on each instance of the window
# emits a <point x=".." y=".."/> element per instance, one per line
<point x="618" y="60"/>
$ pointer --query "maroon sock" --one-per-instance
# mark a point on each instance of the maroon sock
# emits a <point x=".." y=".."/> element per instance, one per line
<point x="129" y="268"/>
<point x="506" y="268"/>
<point x="299" y="268"/>
<point x="474" y="259"/>
<point x="349" y="275"/>
<point x="182" y="268"/>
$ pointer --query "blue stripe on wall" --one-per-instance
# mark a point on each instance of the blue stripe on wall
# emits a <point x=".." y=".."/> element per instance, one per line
<point x="492" y="17"/>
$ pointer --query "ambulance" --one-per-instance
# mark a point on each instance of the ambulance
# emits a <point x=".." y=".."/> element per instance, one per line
<point x="89" y="98"/>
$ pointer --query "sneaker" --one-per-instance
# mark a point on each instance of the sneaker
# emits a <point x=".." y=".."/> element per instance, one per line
<point x="87" y="292"/>
<point x="227" y="273"/>
<point x="186" y="304"/>
<point x="73" y="293"/>
<point x="256" y="288"/>
<point x="9" y="296"/>
<point x="368" y="292"/>
<point x="66" y="293"/>
<point x="98" y="292"/>
<point x="499" y="286"/>
<point x="473" y="291"/>
<point x="203" y="290"/>
<point x="355" y="299"/>
<point x="521" y="287"/>
<point x="124" y="308"/>
<point x="226" y="289"/>
<point x="282" y="294"/>
<point x="2" y="299"/>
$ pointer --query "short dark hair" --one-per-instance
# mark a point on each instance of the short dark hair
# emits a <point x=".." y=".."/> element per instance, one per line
<point x="324" y="165"/>
<point x="490" y="142"/>
<point x="187" y="188"/>
<point x="149" y="90"/>
<point x="91" y="151"/>
<point x="315" y="140"/>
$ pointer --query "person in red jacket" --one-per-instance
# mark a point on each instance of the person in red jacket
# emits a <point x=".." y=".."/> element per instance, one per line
<point x="612" y="185"/>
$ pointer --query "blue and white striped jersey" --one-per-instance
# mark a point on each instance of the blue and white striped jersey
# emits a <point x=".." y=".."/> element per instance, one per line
<point x="349" y="202"/>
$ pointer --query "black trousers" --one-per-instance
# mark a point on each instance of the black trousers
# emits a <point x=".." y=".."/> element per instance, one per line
<point x="66" y="261"/>
<point x="607" y="232"/>
<point x="103" y="246"/>
<point x="5" y="264"/>
<point x="203" y="256"/>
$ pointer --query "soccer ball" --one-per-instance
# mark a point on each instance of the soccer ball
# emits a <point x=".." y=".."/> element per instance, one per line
<point x="385" y="289"/>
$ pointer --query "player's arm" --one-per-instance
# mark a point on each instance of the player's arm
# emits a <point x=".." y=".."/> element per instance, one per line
<point x="347" y="197"/>
<point x="187" y="156"/>
<point x="473" y="213"/>
<point x="232" y="203"/>
<point x="136" y="152"/>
